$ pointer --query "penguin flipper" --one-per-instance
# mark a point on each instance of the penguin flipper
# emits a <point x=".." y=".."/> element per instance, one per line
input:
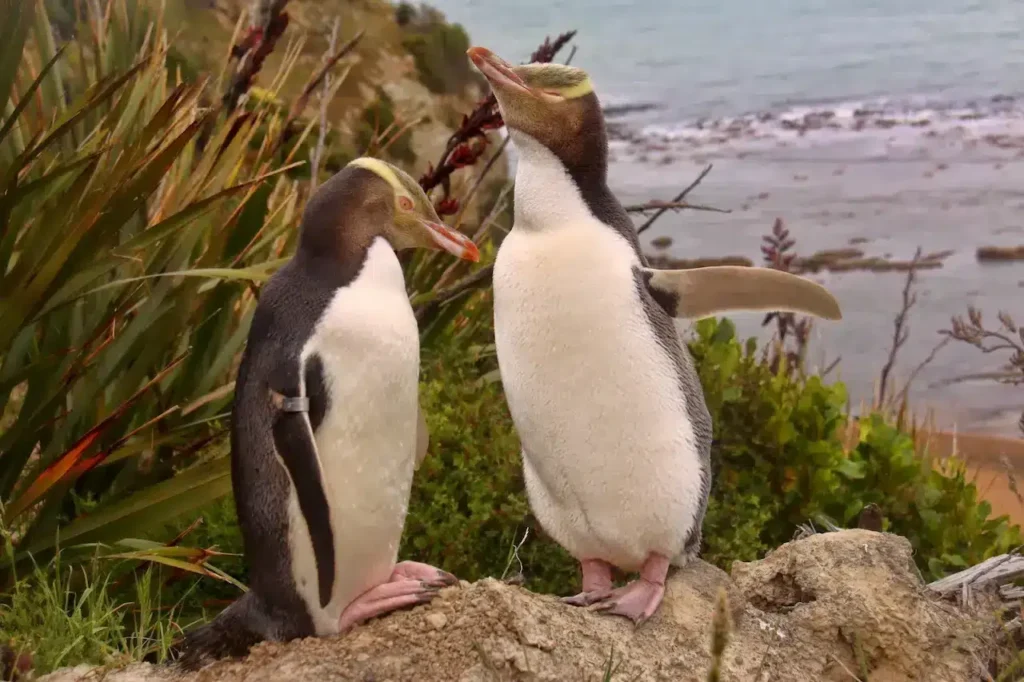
<point x="710" y="291"/>
<point x="422" y="438"/>
<point x="296" y="446"/>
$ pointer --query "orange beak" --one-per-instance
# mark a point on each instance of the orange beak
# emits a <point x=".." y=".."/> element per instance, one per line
<point x="496" y="70"/>
<point x="451" y="241"/>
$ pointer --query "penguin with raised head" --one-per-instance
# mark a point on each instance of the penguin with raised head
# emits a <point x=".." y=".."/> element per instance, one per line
<point x="326" y="428"/>
<point x="601" y="387"/>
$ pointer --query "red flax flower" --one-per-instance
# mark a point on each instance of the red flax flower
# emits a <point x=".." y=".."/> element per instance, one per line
<point x="485" y="116"/>
<point x="447" y="206"/>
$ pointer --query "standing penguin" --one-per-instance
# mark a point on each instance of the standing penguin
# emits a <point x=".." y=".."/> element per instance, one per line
<point x="601" y="387"/>
<point x="326" y="430"/>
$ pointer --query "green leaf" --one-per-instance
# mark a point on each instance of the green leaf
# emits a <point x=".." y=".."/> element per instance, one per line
<point x="183" y="558"/>
<point x="851" y="469"/>
<point x="255" y="273"/>
<point x="98" y="94"/>
<point x="725" y="332"/>
<point x="14" y="28"/>
<point x="186" y="493"/>
<point x="26" y="97"/>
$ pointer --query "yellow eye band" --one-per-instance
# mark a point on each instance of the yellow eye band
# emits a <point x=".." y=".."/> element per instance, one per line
<point x="584" y="87"/>
<point x="380" y="168"/>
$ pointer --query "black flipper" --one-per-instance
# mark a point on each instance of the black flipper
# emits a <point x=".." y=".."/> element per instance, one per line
<point x="316" y="391"/>
<point x="293" y="438"/>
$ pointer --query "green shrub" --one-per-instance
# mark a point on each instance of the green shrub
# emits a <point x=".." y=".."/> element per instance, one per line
<point x="404" y="13"/>
<point x="468" y="503"/>
<point x="63" y="615"/>
<point x="779" y="462"/>
<point x="377" y="118"/>
<point x="439" y="50"/>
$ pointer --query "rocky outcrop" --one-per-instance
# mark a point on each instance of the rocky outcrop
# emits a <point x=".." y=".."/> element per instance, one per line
<point x="835" y="606"/>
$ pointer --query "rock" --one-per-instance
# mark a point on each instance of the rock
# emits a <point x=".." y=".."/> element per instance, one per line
<point x="661" y="243"/>
<point x="437" y="620"/>
<point x="669" y="263"/>
<point x="812" y="610"/>
<point x="997" y="253"/>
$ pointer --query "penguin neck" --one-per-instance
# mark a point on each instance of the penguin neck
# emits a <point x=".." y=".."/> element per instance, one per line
<point x="550" y="193"/>
<point x="336" y="249"/>
<point x="335" y="263"/>
<point x="547" y="191"/>
<point x="371" y="264"/>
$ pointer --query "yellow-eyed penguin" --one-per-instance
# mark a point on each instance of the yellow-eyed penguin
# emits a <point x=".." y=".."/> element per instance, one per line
<point x="326" y="430"/>
<point x="615" y="433"/>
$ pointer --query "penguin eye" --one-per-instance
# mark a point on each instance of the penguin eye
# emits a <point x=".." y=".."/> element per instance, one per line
<point x="405" y="203"/>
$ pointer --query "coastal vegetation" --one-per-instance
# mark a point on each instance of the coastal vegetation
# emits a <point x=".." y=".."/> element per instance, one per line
<point x="146" y="191"/>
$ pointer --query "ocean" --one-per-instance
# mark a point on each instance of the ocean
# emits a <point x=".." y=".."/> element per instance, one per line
<point x="882" y="126"/>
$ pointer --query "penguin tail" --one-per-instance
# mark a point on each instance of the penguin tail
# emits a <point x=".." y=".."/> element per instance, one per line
<point x="231" y="634"/>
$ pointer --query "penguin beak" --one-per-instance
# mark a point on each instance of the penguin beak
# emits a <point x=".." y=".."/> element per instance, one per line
<point x="451" y="241"/>
<point x="497" y="71"/>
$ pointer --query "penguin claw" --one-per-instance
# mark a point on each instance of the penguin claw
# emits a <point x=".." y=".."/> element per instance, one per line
<point x="637" y="601"/>
<point x="413" y="570"/>
<point x="587" y="598"/>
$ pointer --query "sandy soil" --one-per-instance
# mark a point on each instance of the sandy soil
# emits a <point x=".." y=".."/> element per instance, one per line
<point x="997" y="462"/>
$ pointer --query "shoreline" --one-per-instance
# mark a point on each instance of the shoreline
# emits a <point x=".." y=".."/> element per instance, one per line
<point x="859" y="202"/>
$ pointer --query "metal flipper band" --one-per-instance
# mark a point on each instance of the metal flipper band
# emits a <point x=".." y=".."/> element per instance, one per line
<point x="286" y="404"/>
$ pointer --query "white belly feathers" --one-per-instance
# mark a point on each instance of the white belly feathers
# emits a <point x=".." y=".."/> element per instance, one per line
<point x="368" y="342"/>
<point x="611" y="463"/>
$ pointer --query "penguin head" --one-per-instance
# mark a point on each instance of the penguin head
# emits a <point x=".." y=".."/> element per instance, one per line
<point x="414" y="222"/>
<point x="554" y="104"/>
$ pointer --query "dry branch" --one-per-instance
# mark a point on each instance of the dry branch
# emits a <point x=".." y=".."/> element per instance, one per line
<point x="900" y="332"/>
<point x="657" y="205"/>
<point x="987" y="341"/>
<point x="777" y="249"/>
<point x="678" y="198"/>
<point x="300" y="103"/>
<point x="321" y="141"/>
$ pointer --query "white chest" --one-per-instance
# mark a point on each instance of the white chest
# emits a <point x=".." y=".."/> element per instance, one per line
<point x="368" y="343"/>
<point x="581" y="365"/>
<point x="612" y="466"/>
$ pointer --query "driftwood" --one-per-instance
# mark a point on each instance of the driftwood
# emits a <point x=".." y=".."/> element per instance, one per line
<point x="999" y="571"/>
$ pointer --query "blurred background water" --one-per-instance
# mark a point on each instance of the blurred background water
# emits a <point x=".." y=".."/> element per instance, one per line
<point x="891" y="125"/>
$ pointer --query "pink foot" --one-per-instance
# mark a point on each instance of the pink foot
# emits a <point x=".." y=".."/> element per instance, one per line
<point x="410" y="584"/>
<point x="413" y="570"/>
<point x="597" y="583"/>
<point x="639" y="599"/>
